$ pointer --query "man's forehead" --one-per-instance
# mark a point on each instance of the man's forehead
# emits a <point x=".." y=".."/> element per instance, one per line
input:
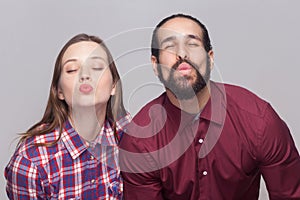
<point x="165" y="33"/>
<point x="179" y="28"/>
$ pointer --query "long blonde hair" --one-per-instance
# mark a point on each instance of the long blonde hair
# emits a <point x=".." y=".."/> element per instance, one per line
<point x="57" y="110"/>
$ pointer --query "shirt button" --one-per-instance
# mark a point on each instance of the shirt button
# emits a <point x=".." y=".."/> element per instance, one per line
<point x="93" y="181"/>
<point x="92" y="157"/>
<point x="201" y="140"/>
<point x="204" y="173"/>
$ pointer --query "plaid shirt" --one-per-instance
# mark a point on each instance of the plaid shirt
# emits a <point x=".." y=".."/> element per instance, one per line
<point x="67" y="170"/>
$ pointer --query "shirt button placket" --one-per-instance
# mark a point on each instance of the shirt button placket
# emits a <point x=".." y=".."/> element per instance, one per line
<point x="92" y="171"/>
<point x="203" y="184"/>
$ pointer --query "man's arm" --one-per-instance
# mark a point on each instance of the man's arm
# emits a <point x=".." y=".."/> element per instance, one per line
<point x="141" y="186"/>
<point x="280" y="161"/>
<point x="140" y="181"/>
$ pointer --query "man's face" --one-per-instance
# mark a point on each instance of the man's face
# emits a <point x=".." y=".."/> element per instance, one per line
<point x="183" y="66"/>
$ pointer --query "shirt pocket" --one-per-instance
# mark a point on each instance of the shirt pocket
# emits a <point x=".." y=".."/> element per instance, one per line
<point x="111" y="171"/>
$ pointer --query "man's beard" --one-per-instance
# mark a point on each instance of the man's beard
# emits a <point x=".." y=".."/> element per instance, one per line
<point x="180" y="86"/>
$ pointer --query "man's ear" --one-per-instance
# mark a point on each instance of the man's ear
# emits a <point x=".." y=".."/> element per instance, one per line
<point x="60" y="94"/>
<point x="211" y="57"/>
<point x="154" y="64"/>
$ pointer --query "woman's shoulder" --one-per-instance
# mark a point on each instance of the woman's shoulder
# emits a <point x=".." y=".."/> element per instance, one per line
<point x="39" y="148"/>
<point x="123" y="121"/>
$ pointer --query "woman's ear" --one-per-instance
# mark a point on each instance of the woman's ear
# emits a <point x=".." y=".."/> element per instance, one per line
<point x="60" y="94"/>
<point x="113" y="90"/>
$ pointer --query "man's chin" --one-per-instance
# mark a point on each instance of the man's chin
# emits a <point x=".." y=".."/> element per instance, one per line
<point x="185" y="96"/>
<point x="185" y="84"/>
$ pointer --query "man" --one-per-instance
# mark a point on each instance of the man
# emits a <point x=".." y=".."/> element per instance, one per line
<point x="201" y="139"/>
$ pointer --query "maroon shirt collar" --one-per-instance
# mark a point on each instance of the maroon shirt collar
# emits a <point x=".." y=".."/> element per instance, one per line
<point x="214" y="110"/>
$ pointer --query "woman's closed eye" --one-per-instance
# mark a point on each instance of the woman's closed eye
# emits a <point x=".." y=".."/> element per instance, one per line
<point x="71" y="70"/>
<point x="98" y="68"/>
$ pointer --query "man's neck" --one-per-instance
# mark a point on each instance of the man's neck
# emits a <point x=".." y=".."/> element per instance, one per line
<point x="193" y="105"/>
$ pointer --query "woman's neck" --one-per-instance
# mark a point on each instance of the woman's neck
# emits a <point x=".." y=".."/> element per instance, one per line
<point x="88" y="121"/>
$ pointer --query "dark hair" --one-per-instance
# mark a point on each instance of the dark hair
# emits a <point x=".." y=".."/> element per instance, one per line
<point x="155" y="43"/>
<point x="57" y="110"/>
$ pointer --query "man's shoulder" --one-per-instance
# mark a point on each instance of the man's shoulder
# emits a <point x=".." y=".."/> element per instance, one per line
<point x="140" y="134"/>
<point x="243" y="99"/>
<point x="158" y="100"/>
<point x="150" y="109"/>
<point x="147" y="122"/>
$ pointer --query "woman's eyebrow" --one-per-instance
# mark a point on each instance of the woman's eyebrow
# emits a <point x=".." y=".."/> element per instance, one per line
<point x="97" y="58"/>
<point x="69" y="60"/>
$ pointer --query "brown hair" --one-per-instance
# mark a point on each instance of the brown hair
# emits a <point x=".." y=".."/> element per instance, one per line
<point x="57" y="110"/>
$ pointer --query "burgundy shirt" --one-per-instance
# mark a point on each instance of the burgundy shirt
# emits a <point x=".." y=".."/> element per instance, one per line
<point x="170" y="154"/>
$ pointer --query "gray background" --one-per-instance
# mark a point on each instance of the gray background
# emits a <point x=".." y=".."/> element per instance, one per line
<point x="256" y="45"/>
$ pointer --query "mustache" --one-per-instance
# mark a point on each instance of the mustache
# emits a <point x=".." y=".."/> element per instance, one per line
<point x="176" y="65"/>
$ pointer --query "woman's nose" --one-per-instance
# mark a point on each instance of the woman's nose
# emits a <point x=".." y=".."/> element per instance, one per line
<point x="84" y="78"/>
<point x="84" y="74"/>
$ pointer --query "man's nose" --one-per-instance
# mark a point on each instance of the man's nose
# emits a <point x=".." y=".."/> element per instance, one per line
<point x="181" y="53"/>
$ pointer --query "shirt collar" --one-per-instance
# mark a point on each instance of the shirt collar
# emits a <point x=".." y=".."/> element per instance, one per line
<point x="75" y="144"/>
<point x="214" y="110"/>
<point x="72" y="141"/>
<point x="175" y="114"/>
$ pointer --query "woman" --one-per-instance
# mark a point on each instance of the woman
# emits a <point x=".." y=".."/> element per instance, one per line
<point x="72" y="153"/>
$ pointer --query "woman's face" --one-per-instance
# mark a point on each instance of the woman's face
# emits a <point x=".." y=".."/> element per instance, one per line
<point x="85" y="79"/>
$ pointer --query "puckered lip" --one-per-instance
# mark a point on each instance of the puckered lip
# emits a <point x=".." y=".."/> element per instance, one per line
<point x="184" y="66"/>
<point x="184" y="69"/>
<point x="85" y="88"/>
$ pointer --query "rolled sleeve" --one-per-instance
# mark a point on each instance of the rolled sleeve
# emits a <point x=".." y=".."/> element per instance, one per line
<point x="22" y="179"/>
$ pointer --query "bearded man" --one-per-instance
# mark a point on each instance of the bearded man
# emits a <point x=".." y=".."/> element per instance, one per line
<point x="201" y="139"/>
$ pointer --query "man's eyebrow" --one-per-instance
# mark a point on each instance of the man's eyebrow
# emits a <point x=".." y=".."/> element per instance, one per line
<point x="191" y="36"/>
<point x="168" y="39"/>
